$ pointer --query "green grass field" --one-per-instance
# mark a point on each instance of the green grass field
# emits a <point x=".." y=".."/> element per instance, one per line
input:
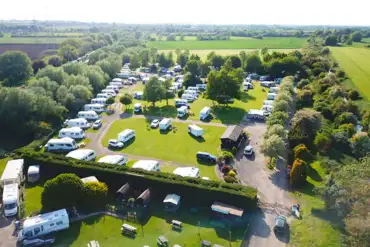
<point x="174" y="146"/>
<point x="3" y="163"/>
<point x="32" y="197"/>
<point x="106" y="230"/>
<point x="356" y="63"/>
<point x="7" y="39"/>
<point x="244" y="43"/>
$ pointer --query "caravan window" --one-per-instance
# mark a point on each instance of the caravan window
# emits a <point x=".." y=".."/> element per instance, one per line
<point x="68" y="145"/>
<point x="36" y="230"/>
<point x="28" y="234"/>
<point x="51" y="145"/>
<point x="92" y="154"/>
<point x="42" y="228"/>
<point x="52" y="224"/>
<point x="59" y="223"/>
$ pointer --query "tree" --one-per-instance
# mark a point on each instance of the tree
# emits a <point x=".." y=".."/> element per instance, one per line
<point x="285" y="96"/>
<point x="154" y="90"/>
<point x="301" y="152"/>
<point x="360" y="144"/>
<point x="55" y="74"/>
<point x="322" y="142"/>
<point x="75" y="68"/>
<point x="55" y="61"/>
<point x="331" y="40"/>
<point x="63" y="191"/>
<point x="254" y="63"/>
<point x="273" y="147"/>
<point x="145" y="57"/>
<point x="217" y="61"/>
<point x="298" y="174"/>
<point x="193" y="66"/>
<point x="235" y="61"/>
<point x="182" y="59"/>
<point x="134" y="62"/>
<point x="356" y="36"/>
<point x="110" y="65"/>
<point x="38" y="64"/>
<point x="15" y="66"/>
<point x="68" y="53"/>
<point x="278" y="130"/>
<point x="205" y="69"/>
<point x="110" y="101"/>
<point x="353" y="94"/>
<point x="302" y="83"/>
<point x="45" y="83"/>
<point x="126" y="99"/>
<point x="277" y="117"/>
<point x="243" y="57"/>
<point x="304" y="98"/>
<point x="94" y="195"/>
<point x="190" y="80"/>
<point x="346" y="118"/>
<point x="167" y="85"/>
<point x="281" y="105"/>
<point x="264" y="50"/>
<point x="306" y="122"/>
<point x="180" y="93"/>
<point x="97" y="78"/>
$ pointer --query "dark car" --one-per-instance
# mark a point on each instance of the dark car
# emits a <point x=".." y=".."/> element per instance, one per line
<point x="202" y="156"/>
<point x="280" y="224"/>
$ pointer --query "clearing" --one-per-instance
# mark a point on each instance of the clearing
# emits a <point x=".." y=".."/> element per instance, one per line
<point x="176" y="145"/>
<point x="356" y="63"/>
<point x="245" y="43"/>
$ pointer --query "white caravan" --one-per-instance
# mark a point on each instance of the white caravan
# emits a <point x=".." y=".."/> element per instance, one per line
<point x="196" y="89"/>
<point x="165" y="124"/>
<point x="61" y="145"/>
<point x="94" y="107"/>
<point x="126" y="135"/>
<point x="73" y="132"/>
<point x="188" y="97"/>
<point x="103" y="95"/>
<point x="147" y="165"/>
<point x="33" y="173"/>
<point x="88" y="115"/>
<point x="202" y="87"/>
<point x="100" y="101"/>
<point x="271" y="96"/>
<point x="268" y="102"/>
<point x="44" y="224"/>
<point x="116" y="83"/>
<point x="117" y="80"/>
<point x="195" y="130"/>
<point x="13" y="172"/>
<point x="205" y="113"/>
<point x="78" y="122"/>
<point x="137" y="107"/>
<point x="274" y="90"/>
<point x="82" y="154"/>
<point x="113" y="87"/>
<point x="114" y="159"/>
<point x="191" y="92"/>
<point x="109" y="91"/>
<point x="182" y="111"/>
<point x="10" y="199"/>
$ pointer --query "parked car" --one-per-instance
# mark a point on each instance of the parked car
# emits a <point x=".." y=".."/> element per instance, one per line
<point x="97" y="124"/>
<point x="280" y="224"/>
<point x="202" y="156"/>
<point x="38" y="242"/>
<point x="248" y="150"/>
<point x="155" y="123"/>
<point x="113" y="143"/>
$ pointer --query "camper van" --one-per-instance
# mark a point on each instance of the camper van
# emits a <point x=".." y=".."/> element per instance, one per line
<point x="137" y="108"/>
<point x="94" y="107"/>
<point x="100" y="101"/>
<point x="61" y="145"/>
<point x="182" y="111"/>
<point x="82" y="154"/>
<point x="77" y="122"/>
<point x="88" y="115"/>
<point x="116" y="83"/>
<point x="267" y="83"/>
<point x="201" y="87"/>
<point x="113" y="87"/>
<point x="114" y="159"/>
<point x="271" y="96"/>
<point x="126" y="135"/>
<point x="132" y="80"/>
<point x="165" y="124"/>
<point x="191" y="92"/>
<point x="109" y="92"/>
<point x="73" y="132"/>
<point x="268" y="102"/>
<point x="10" y="199"/>
<point x="147" y="165"/>
<point x="273" y="90"/>
<point x="196" y="89"/>
<point x="44" y="224"/>
<point x="188" y="97"/>
<point x="33" y="173"/>
<point x="117" y="80"/>
<point x="103" y="95"/>
<point x="138" y="95"/>
<point x="181" y="102"/>
<point x="195" y="130"/>
<point x="267" y="108"/>
<point x="205" y="113"/>
<point x="13" y="172"/>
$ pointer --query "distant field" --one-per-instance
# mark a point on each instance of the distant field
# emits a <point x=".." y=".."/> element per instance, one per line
<point x="7" y="39"/>
<point x="241" y="43"/>
<point x="356" y="63"/>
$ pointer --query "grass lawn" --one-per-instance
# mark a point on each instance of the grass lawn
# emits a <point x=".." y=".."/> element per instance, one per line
<point x="32" y="197"/>
<point x="356" y="63"/>
<point x="3" y="163"/>
<point x="174" y="146"/>
<point x="317" y="227"/>
<point x="247" y="43"/>
<point x="106" y="230"/>
<point x="232" y="114"/>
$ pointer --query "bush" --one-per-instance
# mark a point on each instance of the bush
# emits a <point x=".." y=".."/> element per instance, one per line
<point x="322" y="142"/>
<point x="298" y="174"/>
<point x="230" y="180"/>
<point x="301" y="152"/>
<point x="227" y="157"/>
<point x="231" y="173"/>
<point x="94" y="195"/>
<point x="180" y="93"/>
<point x="353" y="94"/>
<point x="340" y="73"/>
<point x="110" y="101"/>
<point x="225" y="169"/>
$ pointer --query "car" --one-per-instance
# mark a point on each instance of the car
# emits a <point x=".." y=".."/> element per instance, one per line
<point x="248" y="150"/>
<point x="113" y="143"/>
<point x="203" y="156"/>
<point x="97" y="124"/>
<point x="280" y="224"/>
<point x="38" y="242"/>
<point x="155" y="123"/>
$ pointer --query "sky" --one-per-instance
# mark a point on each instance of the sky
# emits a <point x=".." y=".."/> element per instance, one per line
<point x="292" y="12"/>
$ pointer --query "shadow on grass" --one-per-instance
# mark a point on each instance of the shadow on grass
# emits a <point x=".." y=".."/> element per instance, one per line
<point x="68" y="237"/>
<point x="93" y="220"/>
<point x="228" y="114"/>
<point x="328" y="216"/>
<point x="199" y="139"/>
<point x="312" y="173"/>
<point x="245" y="97"/>
<point x="129" y="142"/>
<point x="163" y="111"/>
<point x="307" y="189"/>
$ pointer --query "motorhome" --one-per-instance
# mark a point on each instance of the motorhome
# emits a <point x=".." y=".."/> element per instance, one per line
<point x="182" y="111"/>
<point x="33" y="173"/>
<point x="201" y="87"/>
<point x="165" y="124"/>
<point x="117" y="80"/>
<point x="13" y="172"/>
<point x="267" y="83"/>
<point x="114" y="159"/>
<point x="188" y="97"/>
<point x="94" y="107"/>
<point x="267" y="108"/>
<point x="109" y="91"/>
<point x="137" y="108"/>
<point x="191" y="92"/>
<point x="113" y="87"/>
<point x="273" y="90"/>
<point x="256" y="114"/>
<point x="73" y="132"/>
<point x="10" y="199"/>
<point x="181" y="102"/>
<point x="193" y="172"/>
<point x="44" y="224"/>
<point x="268" y="102"/>
<point x="103" y="95"/>
<point x="100" y="101"/>
<point x="61" y="145"/>
<point x="77" y="122"/>
<point x="116" y="83"/>
<point x="133" y="80"/>
<point x="147" y="165"/>
<point x="271" y="96"/>
<point x="195" y="130"/>
<point x="205" y="113"/>
<point x="126" y="135"/>
<point x="196" y="89"/>
<point x="88" y="115"/>
<point x="82" y="154"/>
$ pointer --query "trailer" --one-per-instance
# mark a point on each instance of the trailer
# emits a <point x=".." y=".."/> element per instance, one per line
<point x="13" y="172"/>
<point x="195" y="130"/>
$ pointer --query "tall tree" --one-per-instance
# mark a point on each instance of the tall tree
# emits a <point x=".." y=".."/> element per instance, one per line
<point x="356" y="36"/>
<point x="37" y="65"/>
<point x="15" y="67"/>
<point x="126" y="99"/>
<point x="193" y="66"/>
<point x="273" y="146"/>
<point x="254" y="63"/>
<point x="134" y="62"/>
<point x="154" y="90"/>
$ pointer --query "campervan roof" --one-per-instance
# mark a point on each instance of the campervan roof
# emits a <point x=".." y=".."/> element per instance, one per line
<point x="12" y="169"/>
<point x="195" y="127"/>
<point x="57" y="141"/>
<point x="79" y="154"/>
<point x="111" y="159"/>
<point x="147" y="165"/>
<point x="72" y="129"/>
<point x="187" y="171"/>
<point x="90" y="179"/>
<point x="39" y="219"/>
<point x="33" y="169"/>
<point x="205" y="110"/>
<point x="165" y="121"/>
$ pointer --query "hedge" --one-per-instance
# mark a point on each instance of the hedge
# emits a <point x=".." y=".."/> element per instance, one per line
<point x="199" y="192"/>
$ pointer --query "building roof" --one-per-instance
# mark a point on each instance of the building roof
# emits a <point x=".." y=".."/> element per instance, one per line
<point x="172" y="198"/>
<point x="232" y="132"/>
<point x="227" y="209"/>
<point x="45" y="217"/>
<point x="145" y="196"/>
<point x="89" y="179"/>
<point x="12" y="169"/>
<point x="111" y="159"/>
<point x="124" y="189"/>
<point x="187" y="172"/>
<point x="147" y="165"/>
<point x="79" y="153"/>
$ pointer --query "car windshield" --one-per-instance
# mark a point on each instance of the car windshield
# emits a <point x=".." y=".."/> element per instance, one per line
<point x="10" y="206"/>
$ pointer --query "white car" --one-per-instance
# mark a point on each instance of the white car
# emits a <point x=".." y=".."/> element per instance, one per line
<point x="113" y="143"/>
<point x="248" y="150"/>
<point x="155" y="123"/>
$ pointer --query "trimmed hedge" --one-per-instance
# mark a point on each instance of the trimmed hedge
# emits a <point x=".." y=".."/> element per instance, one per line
<point x="200" y="192"/>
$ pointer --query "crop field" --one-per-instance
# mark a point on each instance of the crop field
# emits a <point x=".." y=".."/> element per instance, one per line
<point x="356" y="63"/>
<point x="7" y="39"/>
<point x="242" y="43"/>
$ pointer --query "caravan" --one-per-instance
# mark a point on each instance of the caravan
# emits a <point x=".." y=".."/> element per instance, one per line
<point x="88" y="115"/>
<point x="271" y="96"/>
<point x="117" y="80"/>
<point x="137" y="108"/>
<point x="188" y="97"/>
<point x="10" y="199"/>
<point x="182" y="111"/>
<point x="77" y="122"/>
<point x="44" y="224"/>
<point x="110" y="92"/>
<point x="103" y="95"/>
<point x="205" y="113"/>
<point x="274" y="90"/>
<point x="100" y="101"/>
<point x="116" y="83"/>
<point x="82" y="154"/>
<point x="113" y="87"/>
<point x="114" y="159"/>
<point x="126" y="135"/>
<point x="94" y="107"/>
<point x="181" y="102"/>
<point x="165" y="124"/>
<point x="13" y="172"/>
<point x="195" y="130"/>
<point x="73" y="132"/>
<point x="63" y="145"/>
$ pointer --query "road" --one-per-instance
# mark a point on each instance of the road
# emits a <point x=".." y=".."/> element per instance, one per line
<point x="8" y="236"/>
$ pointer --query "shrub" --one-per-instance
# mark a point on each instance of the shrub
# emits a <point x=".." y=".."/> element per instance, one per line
<point x="298" y="174"/>
<point x="225" y="169"/>
<point x="180" y="93"/>
<point x="227" y="157"/>
<point x="322" y="142"/>
<point x="353" y="94"/>
<point x="231" y="174"/>
<point x="230" y="180"/>
<point x="301" y="152"/>
<point x="340" y="73"/>
<point x="94" y="195"/>
<point x="110" y="101"/>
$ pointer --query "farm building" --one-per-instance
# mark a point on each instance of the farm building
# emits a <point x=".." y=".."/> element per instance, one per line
<point x="232" y="137"/>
